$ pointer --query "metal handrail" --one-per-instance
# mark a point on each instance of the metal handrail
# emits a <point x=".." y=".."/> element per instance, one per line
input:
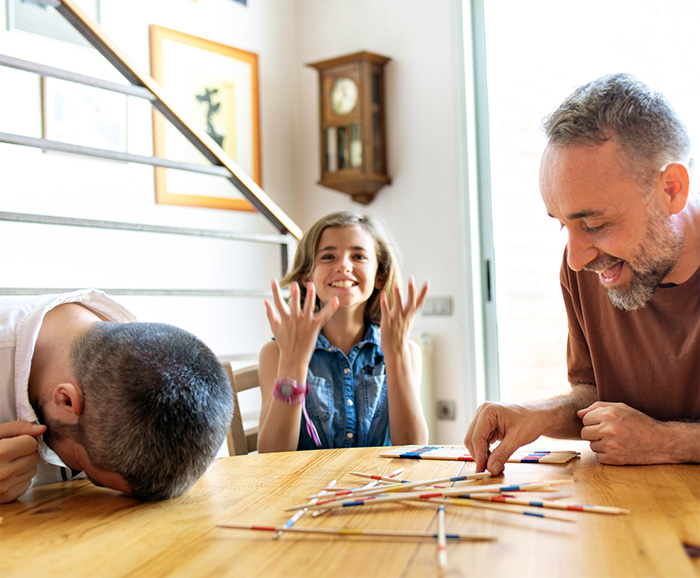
<point x="54" y="145"/>
<point x="145" y="86"/>
<point x="283" y="240"/>
<point x="142" y="86"/>
<point x="43" y="70"/>
<point x="142" y="228"/>
<point x="252" y="293"/>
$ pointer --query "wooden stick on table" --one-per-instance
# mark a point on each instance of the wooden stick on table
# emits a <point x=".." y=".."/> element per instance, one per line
<point x="365" y="487"/>
<point x="295" y="518"/>
<point x="442" y="540"/>
<point x="360" y="532"/>
<point x="427" y="493"/>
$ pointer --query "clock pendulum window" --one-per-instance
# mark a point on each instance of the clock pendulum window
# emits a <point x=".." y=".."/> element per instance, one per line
<point x="353" y="124"/>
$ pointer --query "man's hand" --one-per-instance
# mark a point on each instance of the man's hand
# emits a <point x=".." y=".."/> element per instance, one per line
<point x="620" y="435"/>
<point x="520" y="424"/>
<point x="515" y="425"/>
<point x="18" y="457"/>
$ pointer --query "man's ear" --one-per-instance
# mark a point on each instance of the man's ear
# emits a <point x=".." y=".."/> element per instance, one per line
<point x="67" y="400"/>
<point x="676" y="187"/>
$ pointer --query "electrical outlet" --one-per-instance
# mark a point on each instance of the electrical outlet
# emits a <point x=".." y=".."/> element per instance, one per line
<point x="437" y="306"/>
<point x="446" y="409"/>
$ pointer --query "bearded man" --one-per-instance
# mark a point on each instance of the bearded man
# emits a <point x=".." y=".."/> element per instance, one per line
<point x="615" y="173"/>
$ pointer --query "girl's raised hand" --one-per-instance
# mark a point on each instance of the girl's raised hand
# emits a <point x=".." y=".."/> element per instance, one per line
<point x="397" y="323"/>
<point x="296" y="328"/>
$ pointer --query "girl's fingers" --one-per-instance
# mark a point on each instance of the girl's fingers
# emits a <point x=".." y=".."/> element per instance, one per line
<point x="272" y="318"/>
<point x="411" y="296"/>
<point x="295" y="300"/>
<point x="328" y="310"/>
<point x="423" y="294"/>
<point x="397" y="299"/>
<point x="310" y="300"/>
<point x="277" y="296"/>
<point x="384" y="305"/>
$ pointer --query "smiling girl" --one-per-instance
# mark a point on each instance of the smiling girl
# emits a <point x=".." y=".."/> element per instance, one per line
<point x="341" y="371"/>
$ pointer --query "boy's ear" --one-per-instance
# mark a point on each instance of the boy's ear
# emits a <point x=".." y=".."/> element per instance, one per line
<point x="67" y="400"/>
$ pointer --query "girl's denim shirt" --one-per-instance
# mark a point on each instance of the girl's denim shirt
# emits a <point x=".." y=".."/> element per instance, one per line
<point x="347" y="397"/>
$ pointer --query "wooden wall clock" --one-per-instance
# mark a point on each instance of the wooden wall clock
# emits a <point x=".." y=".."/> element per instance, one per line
<point x="353" y="124"/>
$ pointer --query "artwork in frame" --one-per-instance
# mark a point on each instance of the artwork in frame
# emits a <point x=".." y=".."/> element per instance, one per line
<point x="34" y="17"/>
<point x="83" y="115"/>
<point x="213" y="87"/>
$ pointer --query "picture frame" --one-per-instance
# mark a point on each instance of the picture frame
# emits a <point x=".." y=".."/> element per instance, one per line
<point x="31" y="16"/>
<point x="83" y="115"/>
<point x="213" y="87"/>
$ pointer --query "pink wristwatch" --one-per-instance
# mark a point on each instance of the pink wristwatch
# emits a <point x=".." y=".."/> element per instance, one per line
<point x="288" y="390"/>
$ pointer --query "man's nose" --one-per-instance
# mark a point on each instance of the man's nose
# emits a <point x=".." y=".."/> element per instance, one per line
<point x="581" y="250"/>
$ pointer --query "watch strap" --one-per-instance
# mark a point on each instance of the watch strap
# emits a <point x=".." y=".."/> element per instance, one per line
<point x="287" y="390"/>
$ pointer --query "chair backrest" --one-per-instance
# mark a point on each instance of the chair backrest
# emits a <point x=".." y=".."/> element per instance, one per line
<point x="242" y="439"/>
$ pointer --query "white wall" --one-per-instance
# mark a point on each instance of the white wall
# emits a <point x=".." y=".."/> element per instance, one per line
<point x="54" y="183"/>
<point x="422" y="207"/>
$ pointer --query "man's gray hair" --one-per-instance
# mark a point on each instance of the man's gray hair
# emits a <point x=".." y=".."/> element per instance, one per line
<point x="620" y="107"/>
<point x="156" y="405"/>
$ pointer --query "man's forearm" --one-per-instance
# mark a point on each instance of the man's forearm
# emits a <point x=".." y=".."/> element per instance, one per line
<point x="680" y="443"/>
<point x="559" y="413"/>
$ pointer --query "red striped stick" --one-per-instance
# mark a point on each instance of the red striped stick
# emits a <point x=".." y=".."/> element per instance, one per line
<point x="359" y="532"/>
<point x="455" y="491"/>
<point x="558" y="505"/>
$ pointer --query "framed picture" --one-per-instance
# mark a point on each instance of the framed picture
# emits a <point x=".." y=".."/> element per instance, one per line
<point x="36" y="18"/>
<point x="213" y="87"/>
<point x="83" y="115"/>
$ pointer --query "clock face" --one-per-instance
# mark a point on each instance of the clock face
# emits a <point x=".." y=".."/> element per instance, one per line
<point x="343" y="97"/>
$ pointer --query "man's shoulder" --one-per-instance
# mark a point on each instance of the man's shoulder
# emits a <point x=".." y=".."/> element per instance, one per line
<point x="100" y="303"/>
<point x="13" y="310"/>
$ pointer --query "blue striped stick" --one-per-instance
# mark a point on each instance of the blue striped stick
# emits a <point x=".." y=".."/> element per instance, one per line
<point x="437" y="493"/>
<point x="295" y="518"/>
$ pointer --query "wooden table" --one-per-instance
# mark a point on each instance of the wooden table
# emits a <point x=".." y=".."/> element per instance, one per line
<point x="76" y="529"/>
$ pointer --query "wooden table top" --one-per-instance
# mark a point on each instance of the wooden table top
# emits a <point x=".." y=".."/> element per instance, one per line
<point x="75" y="529"/>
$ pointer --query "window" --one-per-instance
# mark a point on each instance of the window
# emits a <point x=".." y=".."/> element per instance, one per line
<point x="536" y="54"/>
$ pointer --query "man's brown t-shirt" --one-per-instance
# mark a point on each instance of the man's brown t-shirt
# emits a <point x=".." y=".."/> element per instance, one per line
<point x="648" y="358"/>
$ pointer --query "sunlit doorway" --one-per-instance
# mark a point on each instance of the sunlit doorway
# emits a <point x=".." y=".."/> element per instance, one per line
<point x="536" y="53"/>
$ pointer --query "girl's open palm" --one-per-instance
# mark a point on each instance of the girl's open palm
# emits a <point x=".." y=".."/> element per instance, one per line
<point x="296" y="328"/>
<point x="397" y="322"/>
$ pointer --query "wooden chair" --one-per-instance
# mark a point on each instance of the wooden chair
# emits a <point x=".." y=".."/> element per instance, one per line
<point x="242" y="440"/>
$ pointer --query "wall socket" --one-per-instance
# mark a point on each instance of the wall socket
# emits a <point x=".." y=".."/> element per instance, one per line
<point x="437" y="306"/>
<point x="446" y="409"/>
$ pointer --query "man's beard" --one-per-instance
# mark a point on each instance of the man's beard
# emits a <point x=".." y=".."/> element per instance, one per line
<point x="656" y="255"/>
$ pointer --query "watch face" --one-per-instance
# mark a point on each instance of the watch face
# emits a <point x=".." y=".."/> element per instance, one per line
<point x="286" y="390"/>
<point x="343" y="97"/>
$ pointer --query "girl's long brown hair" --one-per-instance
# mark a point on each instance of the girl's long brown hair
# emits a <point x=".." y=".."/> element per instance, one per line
<point x="387" y="265"/>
